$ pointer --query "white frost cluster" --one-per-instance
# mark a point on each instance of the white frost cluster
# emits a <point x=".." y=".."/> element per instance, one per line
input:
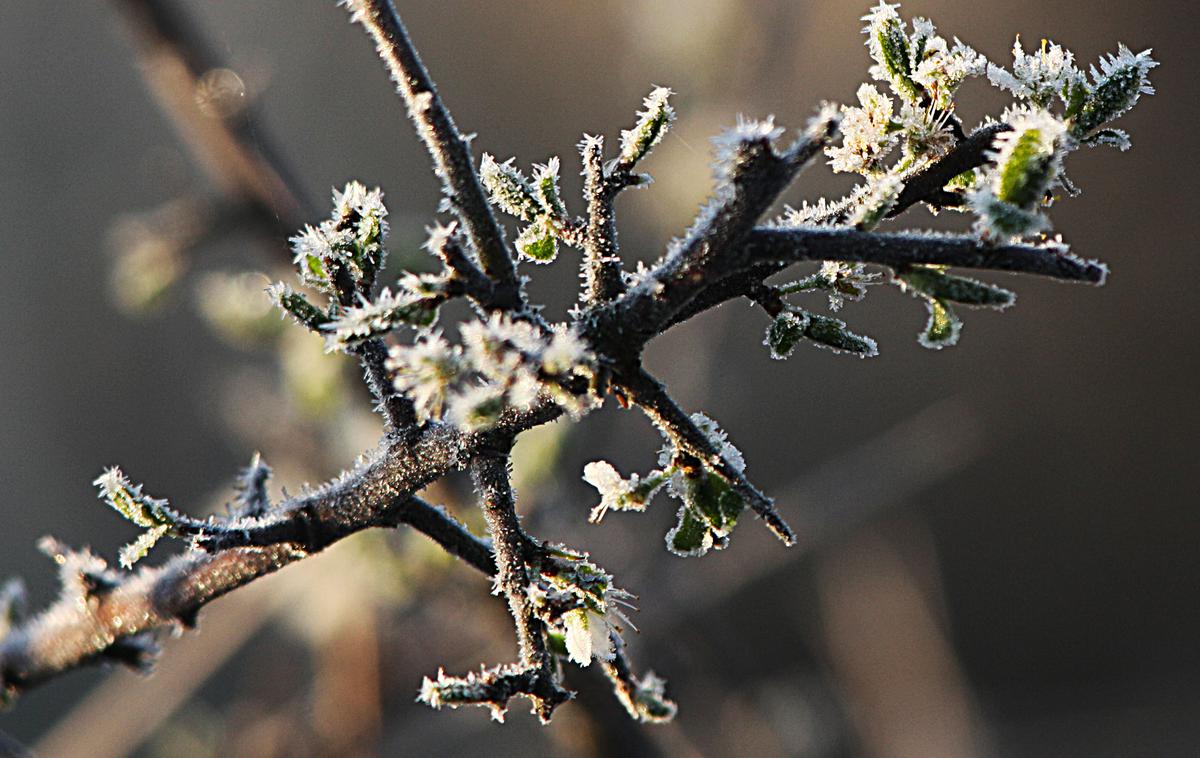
<point x="424" y="371"/>
<point x="502" y="364"/>
<point x="352" y="237"/>
<point x="867" y="133"/>
<point x="375" y="318"/>
<point x="1039" y="76"/>
<point x="617" y="493"/>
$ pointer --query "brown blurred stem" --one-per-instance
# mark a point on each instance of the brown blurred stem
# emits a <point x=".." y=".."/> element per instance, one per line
<point x="234" y="152"/>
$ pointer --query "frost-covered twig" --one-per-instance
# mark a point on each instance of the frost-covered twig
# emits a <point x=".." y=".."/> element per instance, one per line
<point x="904" y="249"/>
<point x="651" y="396"/>
<point x="461" y="406"/>
<point x="450" y="151"/>
<point x="490" y="472"/>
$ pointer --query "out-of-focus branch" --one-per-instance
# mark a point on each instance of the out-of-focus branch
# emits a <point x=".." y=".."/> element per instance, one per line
<point x="173" y="61"/>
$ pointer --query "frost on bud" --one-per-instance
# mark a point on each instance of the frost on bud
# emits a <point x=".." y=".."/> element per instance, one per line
<point x="1039" y="77"/>
<point x="941" y="69"/>
<point x="374" y="319"/>
<point x="144" y="511"/>
<point x="363" y="212"/>
<point x="1027" y="161"/>
<point x="508" y="189"/>
<point x="841" y="280"/>
<point x="424" y="373"/>
<point x="351" y="239"/>
<point x="936" y="284"/>
<point x="476" y="408"/>
<point x="297" y="306"/>
<point x="1116" y="87"/>
<point x="889" y="47"/>
<point x="571" y="594"/>
<point x="316" y="250"/>
<point x="652" y="124"/>
<point x="868" y="134"/>
<point x="878" y="201"/>
<point x="252" y="498"/>
<point x="620" y="494"/>
<point x="943" y="328"/>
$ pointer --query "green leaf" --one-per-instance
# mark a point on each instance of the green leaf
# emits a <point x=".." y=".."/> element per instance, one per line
<point x="784" y="333"/>
<point x="939" y="285"/>
<point x="538" y="242"/>
<point x="943" y="328"/>
<point x="691" y="537"/>
<point x="832" y="334"/>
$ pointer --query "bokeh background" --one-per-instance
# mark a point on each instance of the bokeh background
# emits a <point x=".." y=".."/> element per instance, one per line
<point x="999" y="540"/>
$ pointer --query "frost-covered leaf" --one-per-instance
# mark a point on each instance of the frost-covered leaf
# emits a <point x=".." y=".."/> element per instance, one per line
<point x="690" y="537"/>
<point x="545" y="182"/>
<point x="1116" y="87"/>
<point x="832" y="334"/>
<point x="1047" y="73"/>
<point x="538" y="242"/>
<point x="889" y="46"/>
<point x="784" y="333"/>
<point x="373" y="319"/>
<point x="1108" y="138"/>
<point x="297" y="306"/>
<point x="943" y="328"/>
<point x="880" y="198"/>
<point x="508" y="189"/>
<point x="136" y="550"/>
<point x="939" y="285"/>
<point x="1027" y="160"/>
<point x="653" y="121"/>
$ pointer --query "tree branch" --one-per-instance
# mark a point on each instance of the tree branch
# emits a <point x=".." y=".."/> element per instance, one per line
<point x="449" y="149"/>
<point x="490" y="472"/>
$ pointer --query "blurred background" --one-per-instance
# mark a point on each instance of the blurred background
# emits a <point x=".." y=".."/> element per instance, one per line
<point x="997" y="540"/>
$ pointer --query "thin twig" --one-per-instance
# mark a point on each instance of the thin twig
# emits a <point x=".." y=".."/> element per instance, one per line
<point x="601" y="264"/>
<point x="651" y="396"/>
<point x="490" y="472"/>
<point x="450" y="151"/>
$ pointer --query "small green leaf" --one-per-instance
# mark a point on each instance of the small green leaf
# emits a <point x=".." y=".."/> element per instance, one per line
<point x="784" y="332"/>
<point x="538" y="242"/>
<point x="691" y="537"/>
<point x="939" y="285"/>
<point x="832" y="334"/>
<point x="943" y="328"/>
